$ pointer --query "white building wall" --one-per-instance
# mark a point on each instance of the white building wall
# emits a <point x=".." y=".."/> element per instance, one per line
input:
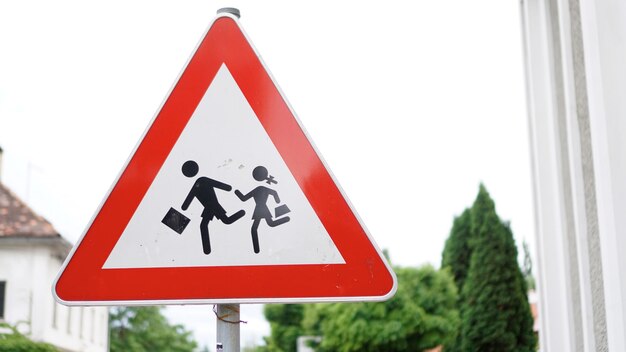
<point x="16" y="268"/>
<point x="576" y="75"/>
<point x="29" y="271"/>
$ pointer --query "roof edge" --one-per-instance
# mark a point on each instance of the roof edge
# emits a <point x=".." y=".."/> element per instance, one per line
<point x="58" y="243"/>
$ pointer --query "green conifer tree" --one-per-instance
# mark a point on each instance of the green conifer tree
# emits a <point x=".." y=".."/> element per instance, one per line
<point x="456" y="253"/>
<point x="456" y="257"/>
<point x="495" y="314"/>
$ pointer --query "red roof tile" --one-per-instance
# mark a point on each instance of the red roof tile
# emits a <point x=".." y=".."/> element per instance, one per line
<point x="18" y="220"/>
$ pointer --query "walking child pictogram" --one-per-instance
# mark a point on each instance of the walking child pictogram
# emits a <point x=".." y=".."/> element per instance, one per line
<point x="204" y="191"/>
<point x="261" y="210"/>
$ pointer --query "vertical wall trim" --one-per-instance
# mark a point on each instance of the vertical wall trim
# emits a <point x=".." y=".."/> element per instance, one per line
<point x="558" y="331"/>
<point x="570" y="234"/>
<point x="586" y="152"/>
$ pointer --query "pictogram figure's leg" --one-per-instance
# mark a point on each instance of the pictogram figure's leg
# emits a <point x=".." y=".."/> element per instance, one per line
<point x="274" y="223"/>
<point x="204" y="232"/>
<point x="230" y="219"/>
<point x="255" y="235"/>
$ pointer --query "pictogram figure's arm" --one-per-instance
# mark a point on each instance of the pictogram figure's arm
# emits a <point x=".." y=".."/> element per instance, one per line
<point x="190" y="197"/>
<point x="242" y="196"/>
<point x="220" y="185"/>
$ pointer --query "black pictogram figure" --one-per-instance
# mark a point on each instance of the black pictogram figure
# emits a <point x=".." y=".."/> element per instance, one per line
<point x="204" y="191"/>
<point x="261" y="210"/>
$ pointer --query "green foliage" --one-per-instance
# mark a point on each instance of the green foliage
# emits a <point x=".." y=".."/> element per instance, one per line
<point x="145" y="329"/>
<point x="285" y="322"/>
<point x="456" y="258"/>
<point x="495" y="314"/>
<point x="420" y="316"/>
<point x="456" y="253"/>
<point x="481" y="253"/>
<point x="16" y="342"/>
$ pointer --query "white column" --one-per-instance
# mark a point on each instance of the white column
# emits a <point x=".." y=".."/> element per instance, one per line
<point x="576" y="77"/>
<point x="558" y="322"/>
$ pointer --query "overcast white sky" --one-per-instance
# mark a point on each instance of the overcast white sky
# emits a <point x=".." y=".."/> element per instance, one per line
<point x="411" y="104"/>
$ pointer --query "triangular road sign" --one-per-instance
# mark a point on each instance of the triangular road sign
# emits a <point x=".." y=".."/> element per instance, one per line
<point x="225" y="199"/>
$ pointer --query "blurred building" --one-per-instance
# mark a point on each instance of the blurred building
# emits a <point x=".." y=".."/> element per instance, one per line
<point x="303" y="343"/>
<point x="31" y="254"/>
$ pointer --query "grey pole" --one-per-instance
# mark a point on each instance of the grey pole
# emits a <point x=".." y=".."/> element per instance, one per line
<point x="228" y="328"/>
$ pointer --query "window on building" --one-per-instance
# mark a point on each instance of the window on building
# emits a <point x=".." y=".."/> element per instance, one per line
<point x="93" y="325"/>
<point x="69" y="321"/>
<point x="82" y="321"/>
<point x="104" y="316"/>
<point x="54" y="314"/>
<point x="3" y="285"/>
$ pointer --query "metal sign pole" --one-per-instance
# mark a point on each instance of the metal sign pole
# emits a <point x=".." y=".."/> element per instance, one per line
<point x="228" y="321"/>
<point x="227" y="327"/>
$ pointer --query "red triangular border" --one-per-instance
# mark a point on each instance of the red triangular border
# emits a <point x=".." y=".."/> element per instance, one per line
<point x="365" y="276"/>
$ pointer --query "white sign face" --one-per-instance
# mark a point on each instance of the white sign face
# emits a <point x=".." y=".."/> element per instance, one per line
<point x="212" y="140"/>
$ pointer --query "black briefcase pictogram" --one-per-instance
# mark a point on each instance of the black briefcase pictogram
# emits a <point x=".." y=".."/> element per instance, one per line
<point x="175" y="220"/>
